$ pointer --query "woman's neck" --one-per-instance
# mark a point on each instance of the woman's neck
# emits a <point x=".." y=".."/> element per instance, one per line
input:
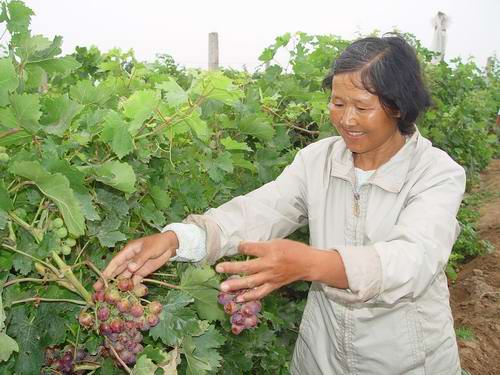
<point x="373" y="159"/>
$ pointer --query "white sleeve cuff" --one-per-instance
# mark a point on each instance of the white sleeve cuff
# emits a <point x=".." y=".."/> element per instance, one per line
<point x="192" y="242"/>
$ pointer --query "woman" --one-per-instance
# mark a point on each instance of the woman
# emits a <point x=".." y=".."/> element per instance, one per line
<point x="381" y="206"/>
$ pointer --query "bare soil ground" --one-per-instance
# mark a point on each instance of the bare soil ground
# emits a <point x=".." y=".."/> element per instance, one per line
<point x="475" y="296"/>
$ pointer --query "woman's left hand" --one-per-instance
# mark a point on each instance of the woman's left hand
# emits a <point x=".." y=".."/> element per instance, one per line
<point x="277" y="263"/>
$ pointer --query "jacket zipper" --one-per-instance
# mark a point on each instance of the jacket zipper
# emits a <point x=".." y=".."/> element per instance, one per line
<point x="356" y="204"/>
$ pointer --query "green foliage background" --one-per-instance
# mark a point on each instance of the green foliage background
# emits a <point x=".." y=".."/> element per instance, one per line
<point x="118" y="148"/>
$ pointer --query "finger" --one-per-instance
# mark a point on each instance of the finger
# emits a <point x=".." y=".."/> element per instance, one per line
<point x="122" y="258"/>
<point x="257" y="249"/>
<point x="149" y="253"/>
<point x="150" y="266"/>
<point x="255" y="294"/>
<point x="248" y="282"/>
<point x="98" y="285"/>
<point x="247" y="267"/>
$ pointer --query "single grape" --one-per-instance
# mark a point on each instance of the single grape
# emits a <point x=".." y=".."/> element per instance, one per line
<point x="65" y="250"/>
<point x="136" y="310"/>
<point x="70" y="242"/>
<point x="111" y="295"/>
<point x="231" y="307"/>
<point x="123" y="305"/>
<point x="130" y="325"/>
<point x="153" y="320"/>
<point x="237" y="319"/>
<point x="86" y="319"/>
<point x="57" y="222"/>
<point x="251" y="308"/>
<point x="98" y="296"/>
<point x="103" y="313"/>
<point x="125" y="284"/>
<point x="105" y="329"/>
<point x="250" y="321"/>
<point x="236" y="329"/>
<point x="61" y="232"/>
<point x="116" y="325"/>
<point x="138" y="348"/>
<point x="223" y="298"/>
<point x="155" y="307"/>
<point x="140" y="290"/>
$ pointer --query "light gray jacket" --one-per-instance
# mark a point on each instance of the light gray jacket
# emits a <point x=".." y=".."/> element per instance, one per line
<point x="394" y="238"/>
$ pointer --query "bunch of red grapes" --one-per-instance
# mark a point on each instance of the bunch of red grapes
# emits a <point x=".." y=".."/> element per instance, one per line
<point x="243" y="315"/>
<point x="63" y="360"/>
<point x="120" y="317"/>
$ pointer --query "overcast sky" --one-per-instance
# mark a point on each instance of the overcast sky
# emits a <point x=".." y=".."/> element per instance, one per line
<point x="180" y="28"/>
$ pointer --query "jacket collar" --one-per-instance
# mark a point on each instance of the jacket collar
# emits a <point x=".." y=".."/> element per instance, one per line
<point x="391" y="176"/>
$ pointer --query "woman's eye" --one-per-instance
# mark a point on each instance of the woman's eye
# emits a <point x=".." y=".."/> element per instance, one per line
<point x="361" y="109"/>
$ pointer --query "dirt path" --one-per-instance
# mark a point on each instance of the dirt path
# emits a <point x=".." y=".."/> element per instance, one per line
<point x="475" y="296"/>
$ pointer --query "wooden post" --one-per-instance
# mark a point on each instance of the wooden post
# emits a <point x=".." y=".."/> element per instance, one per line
<point x="213" y="51"/>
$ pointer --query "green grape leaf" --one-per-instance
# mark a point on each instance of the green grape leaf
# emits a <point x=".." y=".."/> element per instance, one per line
<point x="144" y="366"/>
<point x="26" y="111"/>
<point x="139" y="107"/>
<point x="155" y="354"/>
<point x="86" y="93"/>
<point x="27" y="334"/>
<point x="8" y="80"/>
<point x="197" y="125"/>
<point x="117" y="174"/>
<point x="5" y="201"/>
<point x="160" y="196"/>
<point x="231" y="144"/>
<point x="19" y="17"/>
<point x="201" y="353"/>
<point x="56" y="187"/>
<point x="7" y="346"/>
<point x="109" y="239"/>
<point x="115" y="132"/>
<point x="256" y="127"/>
<point x="60" y="112"/>
<point x="60" y="65"/>
<point x="173" y="93"/>
<point x="202" y="284"/>
<point x="215" y="85"/>
<point x="176" y="320"/>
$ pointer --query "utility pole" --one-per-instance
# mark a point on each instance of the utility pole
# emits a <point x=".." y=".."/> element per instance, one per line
<point x="213" y="51"/>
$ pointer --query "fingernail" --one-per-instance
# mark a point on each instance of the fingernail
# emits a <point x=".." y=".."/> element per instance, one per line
<point x="240" y="299"/>
<point x="132" y="266"/>
<point x="219" y="268"/>
<point x="224" y="287"/>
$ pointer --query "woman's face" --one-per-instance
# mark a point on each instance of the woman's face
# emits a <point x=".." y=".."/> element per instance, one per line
<point x="359" y="117"/>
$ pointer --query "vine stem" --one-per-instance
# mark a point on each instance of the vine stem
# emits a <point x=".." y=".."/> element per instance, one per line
<point x="39" y="299"/>
<point x="28" y="279"/>
<point x="125" y="367"/>
<point x="168" y="285"/>
<point x="37" y="234"/>
<point x="96" y="270"/>
<point x="52" y="268"/>
<point x="70" y="276"/>
<point x="164" y="274"/>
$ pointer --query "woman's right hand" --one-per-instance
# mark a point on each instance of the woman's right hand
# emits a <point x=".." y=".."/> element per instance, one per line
<point x="141" y="257"/>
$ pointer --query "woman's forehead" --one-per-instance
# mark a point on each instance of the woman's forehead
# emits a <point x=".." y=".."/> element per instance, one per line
<point x="350" y="85"/>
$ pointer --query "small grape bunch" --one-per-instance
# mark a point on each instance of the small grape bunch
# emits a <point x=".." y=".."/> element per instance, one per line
<point x="120" y="316"/>
<point x="62" y="360"/>
<point x="243" y="315"/>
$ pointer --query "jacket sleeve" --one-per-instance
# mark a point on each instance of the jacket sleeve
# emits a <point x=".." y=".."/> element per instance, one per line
<point x="274" y="210"/>
<point x="416" y="250"/>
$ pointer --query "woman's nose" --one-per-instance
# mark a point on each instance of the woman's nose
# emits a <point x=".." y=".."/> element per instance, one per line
<point x="348" y="117"/>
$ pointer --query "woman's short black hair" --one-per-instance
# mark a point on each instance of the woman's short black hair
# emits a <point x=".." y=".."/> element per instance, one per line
<point x="390" y="69"/>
